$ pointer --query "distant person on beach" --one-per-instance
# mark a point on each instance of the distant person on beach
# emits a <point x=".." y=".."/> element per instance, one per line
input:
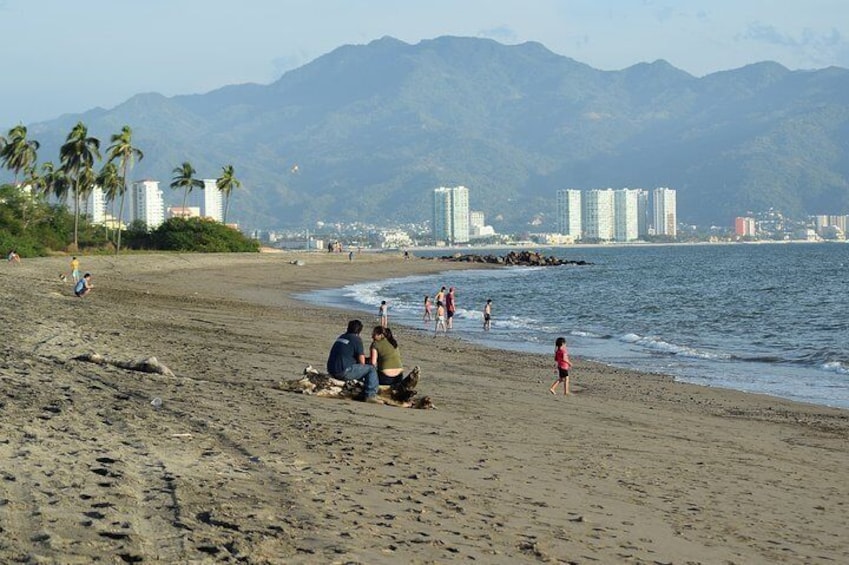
<point x="347" y="361"/>
<point x="13" y="257"/>
<point x="487" y="315"/>
<point x="561" y="357"/>
<point x="440" y="296"/>
<point x="350" y="255"/>
<point x="75" y="269"/>
<point x="450" y="307"/>
<point x="384" y="355"/>
<point x="440" y="319"/>
<point x="428" y="307"/>
<point x="83" y="286"/>
<point x="383" y="314"/>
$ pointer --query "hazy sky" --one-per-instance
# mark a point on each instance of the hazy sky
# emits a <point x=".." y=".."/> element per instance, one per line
<point x="62" y="56"/>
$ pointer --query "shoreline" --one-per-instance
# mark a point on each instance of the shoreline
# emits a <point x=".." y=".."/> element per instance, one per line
<point x="635" y="467"/>
<point x="342" y="302"/>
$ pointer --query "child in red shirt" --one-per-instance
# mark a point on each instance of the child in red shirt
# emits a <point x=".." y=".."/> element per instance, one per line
<point x="561" y="357"/>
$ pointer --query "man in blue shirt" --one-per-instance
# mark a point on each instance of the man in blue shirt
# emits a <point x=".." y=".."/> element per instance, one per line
<point x="347" y="361"/>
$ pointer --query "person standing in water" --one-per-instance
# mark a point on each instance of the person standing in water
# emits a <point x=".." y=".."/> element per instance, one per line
<point x="450" y="307"/>
<point x="383" y="314"/>
<point x="440" y="319"/>
<point x="428" y="306"/>
<point x="487" y="315"/>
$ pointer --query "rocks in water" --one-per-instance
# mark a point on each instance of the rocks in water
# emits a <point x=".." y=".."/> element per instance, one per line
<point x="514" y="258"/>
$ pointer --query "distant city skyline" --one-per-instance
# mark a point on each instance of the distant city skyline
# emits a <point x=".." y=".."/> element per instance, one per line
<point x="75" y="57"/>
<point x="622" y="215"/>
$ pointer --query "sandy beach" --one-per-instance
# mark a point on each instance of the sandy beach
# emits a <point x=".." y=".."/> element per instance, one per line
<point x="634" y="468"/>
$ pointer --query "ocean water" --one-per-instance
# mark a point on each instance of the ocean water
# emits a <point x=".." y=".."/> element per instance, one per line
<point x="768" y="318"/>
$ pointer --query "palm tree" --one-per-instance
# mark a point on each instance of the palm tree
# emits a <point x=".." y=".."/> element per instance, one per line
<point x="226" y="183"/>
<point x="17" y="152"/>
<point x="111" y="183"/>
<point x="51" y="181"/>
<point x="184" y="178"/>
<point x="77" y="156"/>
<point x="122" y="150"/>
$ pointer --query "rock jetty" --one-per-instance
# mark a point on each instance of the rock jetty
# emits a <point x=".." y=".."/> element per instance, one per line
<point x="520" y="258"/>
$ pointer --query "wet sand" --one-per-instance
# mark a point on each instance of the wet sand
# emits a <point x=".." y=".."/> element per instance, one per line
<point x="634" y="468"/>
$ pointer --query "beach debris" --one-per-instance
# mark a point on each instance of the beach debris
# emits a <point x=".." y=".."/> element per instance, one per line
<point x="316" y="383"/>
<point x="144" y="365"/>
<point x="156" y="402"/>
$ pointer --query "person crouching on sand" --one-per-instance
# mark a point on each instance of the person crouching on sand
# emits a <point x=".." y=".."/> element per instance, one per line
<point x="561" y="357"/>
<point x="83" y="286"/>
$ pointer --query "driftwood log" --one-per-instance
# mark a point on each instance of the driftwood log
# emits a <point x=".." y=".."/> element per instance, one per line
<point x="144" y="365"/>
<point x="317" y="383"/>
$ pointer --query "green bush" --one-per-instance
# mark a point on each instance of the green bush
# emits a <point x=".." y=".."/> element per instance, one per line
<point x="200" y="235"/>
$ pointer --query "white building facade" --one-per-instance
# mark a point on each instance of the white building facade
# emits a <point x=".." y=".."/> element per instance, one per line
<point x="95" y="206"/>
<point x="626" y="215"/>
<point x="665" y="212"/>
<point x="569" y="213"/>
<point x="211" y="201"/>
<point x="147" y="203"/>
<point x="598" y="214"/>
<point x="451" y="214"/>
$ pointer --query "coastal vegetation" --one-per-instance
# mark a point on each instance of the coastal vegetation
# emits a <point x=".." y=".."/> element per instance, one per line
<point x="35" y="219"/>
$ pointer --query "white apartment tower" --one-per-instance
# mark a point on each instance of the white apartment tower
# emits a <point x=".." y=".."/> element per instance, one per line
<point x="95" y="206"/>
<point x="626" y="215"/>
<point x="642" y="212"/>
<point x="211" y="201"/>
<point x="451" y="214"/>
<point x="147" y="203"/>
<point x="477" y="219"/>
<point x="665" y="213"/>
<point x="569" y="213"/>
<point x="598" y="214"/>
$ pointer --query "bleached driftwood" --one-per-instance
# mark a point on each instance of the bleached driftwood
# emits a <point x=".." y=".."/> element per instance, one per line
<point x="317" y="383"/>
<point x="145" y="365"/>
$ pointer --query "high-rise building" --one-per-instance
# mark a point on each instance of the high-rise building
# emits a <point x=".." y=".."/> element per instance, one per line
<point x="626" y="214"/>
<point x="665" y="212"/>
<point x="451" y="214"/>
<point x="569" y="213"/>
<point x="744" y="226"/>
<point x="598" y="214"/>
<point x="643" y="222"/>
<point x="477" y="219"/>
<point x="95" y="206"/>
<point x="147" y="203"/>
<point x="211" y="201"/>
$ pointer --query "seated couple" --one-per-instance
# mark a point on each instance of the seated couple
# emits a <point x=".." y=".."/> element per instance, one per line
<point x="347" y="360"/>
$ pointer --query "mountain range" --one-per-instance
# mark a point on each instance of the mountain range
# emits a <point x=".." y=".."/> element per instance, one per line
<point x="365" y="132"/>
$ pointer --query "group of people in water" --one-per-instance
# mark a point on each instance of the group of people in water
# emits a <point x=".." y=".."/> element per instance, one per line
<point x="446" y="308"/>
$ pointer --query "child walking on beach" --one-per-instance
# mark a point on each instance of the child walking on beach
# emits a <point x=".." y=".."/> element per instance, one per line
<point x="561" y="357"/>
